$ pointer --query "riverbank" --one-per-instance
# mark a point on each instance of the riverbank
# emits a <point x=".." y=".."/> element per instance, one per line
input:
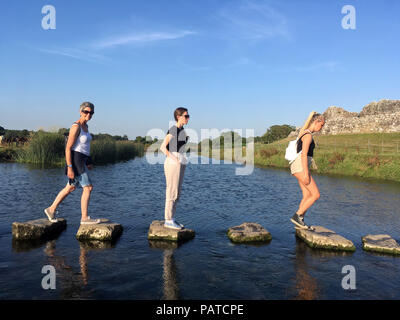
<point x="47" y="148"/>
<point x="363" y="155"/>
<point x="375" y="156"/>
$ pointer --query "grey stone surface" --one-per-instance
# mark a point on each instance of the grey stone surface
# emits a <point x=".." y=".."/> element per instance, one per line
<point x="248" y="232"/>
<point x="37" y="229"/>
<point x="383" y="243"/>
<point x="100" y="231"/>
<point x="325" y="239"/>
<point x="157" y="231"/>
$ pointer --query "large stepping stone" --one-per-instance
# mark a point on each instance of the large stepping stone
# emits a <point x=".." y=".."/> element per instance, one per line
<point x="380" y="243"/>
<point x="248" y="232"/>
<point x="39" y="229"/>
<point x="100" y="231"/>
<point x="157" y="231"/>
<point x="325" y="239"/>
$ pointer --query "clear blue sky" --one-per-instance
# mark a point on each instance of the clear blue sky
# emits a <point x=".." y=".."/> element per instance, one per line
<point x="233" y="64"/>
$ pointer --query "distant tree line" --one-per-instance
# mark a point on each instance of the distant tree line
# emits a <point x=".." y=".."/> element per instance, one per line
<point x="273" y="133"/>
<point x="14" y="136"/>
<point x="22" y="136"/>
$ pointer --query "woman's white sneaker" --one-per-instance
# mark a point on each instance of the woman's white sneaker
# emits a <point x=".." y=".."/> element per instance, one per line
<point x="172" y="225"/>
<point x="51" y="215"/>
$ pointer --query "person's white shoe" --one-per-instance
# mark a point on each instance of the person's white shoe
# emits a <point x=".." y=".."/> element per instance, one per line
<point x="90" y="221"/>
<point x="172" y="225"/>
<point x="51" y="216"/>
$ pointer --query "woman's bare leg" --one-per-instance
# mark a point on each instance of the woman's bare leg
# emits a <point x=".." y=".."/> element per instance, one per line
<point x="306" y="194"/>
<point x="61" y="196"/>
<point x="85" y="201"/>
<point x="312" y="188"/>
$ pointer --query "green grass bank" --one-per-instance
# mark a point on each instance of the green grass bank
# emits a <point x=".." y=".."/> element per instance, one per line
<point x="47" y="148"/>
<point x="375" y="156"/>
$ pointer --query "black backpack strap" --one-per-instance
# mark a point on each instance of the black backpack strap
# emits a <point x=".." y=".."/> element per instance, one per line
<point x="303" y="136"/>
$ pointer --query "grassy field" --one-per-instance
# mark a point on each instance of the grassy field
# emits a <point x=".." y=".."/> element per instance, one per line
<point x="363" y="155"/>
<point x="374" y="156"/>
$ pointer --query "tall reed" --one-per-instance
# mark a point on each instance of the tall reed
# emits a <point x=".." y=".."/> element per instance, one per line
<point x="44" y="148"/>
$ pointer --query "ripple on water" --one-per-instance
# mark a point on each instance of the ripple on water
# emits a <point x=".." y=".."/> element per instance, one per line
<point x="210" y="266"/>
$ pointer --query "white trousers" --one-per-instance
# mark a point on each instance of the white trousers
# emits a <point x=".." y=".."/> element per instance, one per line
<point x="174" y="172"/>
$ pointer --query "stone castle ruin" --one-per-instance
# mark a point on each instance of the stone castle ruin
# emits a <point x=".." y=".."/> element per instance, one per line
<point x="375" y="117"/>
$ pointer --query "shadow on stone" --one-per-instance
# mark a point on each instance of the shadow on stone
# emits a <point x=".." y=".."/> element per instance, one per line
<point x="39" y="229"/>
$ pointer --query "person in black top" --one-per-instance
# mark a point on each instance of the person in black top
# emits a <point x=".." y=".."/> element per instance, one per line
<point x="173" y="147"/>
<point x="300" y="167"/>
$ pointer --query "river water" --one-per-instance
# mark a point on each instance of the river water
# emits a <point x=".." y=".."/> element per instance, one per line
<point x="209" y="266"/>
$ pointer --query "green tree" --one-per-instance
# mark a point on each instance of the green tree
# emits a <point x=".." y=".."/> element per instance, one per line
<point x="277" y="132"/>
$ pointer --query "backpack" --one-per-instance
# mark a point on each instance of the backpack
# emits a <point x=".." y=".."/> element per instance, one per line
<point x="291" y="150"/>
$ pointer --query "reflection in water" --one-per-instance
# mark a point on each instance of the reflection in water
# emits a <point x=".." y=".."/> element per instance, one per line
<point x="306" y="287"/>
<point x="171" y="288"/>
<point x="351" y="208"/>
<point x="85" y="247"/>
<point x="170" y="283"/>
<point x="26" y="245"/>
<point x="70" y="284"/>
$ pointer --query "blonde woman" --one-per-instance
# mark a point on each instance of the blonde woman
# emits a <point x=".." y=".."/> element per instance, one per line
<point x="77" y="156"/>
<point x="300" y="167"/>
<point x="173" y="147"/>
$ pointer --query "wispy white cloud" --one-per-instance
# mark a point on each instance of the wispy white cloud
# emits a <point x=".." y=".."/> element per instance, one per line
<point x="140" y="38"/>
<point x="90" y="53"/>
<point x="254" y="20"/>
<point x="78" y="54"/>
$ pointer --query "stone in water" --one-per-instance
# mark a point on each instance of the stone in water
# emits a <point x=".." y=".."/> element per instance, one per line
<point x="249" y="232"/>
<point x="325" y="239"/>
<point x="157" y="231"/>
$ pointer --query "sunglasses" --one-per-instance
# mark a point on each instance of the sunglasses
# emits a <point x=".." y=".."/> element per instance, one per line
<point x="186" y="116"/>
<point x="88" y="112"/>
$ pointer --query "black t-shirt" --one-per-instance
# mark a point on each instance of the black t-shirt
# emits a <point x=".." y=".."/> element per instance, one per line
<point x="310" y="152"/>
<point x="178" y="140"/>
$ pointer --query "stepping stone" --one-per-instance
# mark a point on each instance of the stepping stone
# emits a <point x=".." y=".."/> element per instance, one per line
<point x="380" y="243"/>
<point x="248" y="232"/>
<point x="324" y="239"/>
<point x="37" y="229"/>
<point x="157" y="231"/>
<point x="100" y="231"/>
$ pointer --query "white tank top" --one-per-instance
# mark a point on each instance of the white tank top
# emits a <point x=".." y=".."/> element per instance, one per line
<point x="82" y="143"/>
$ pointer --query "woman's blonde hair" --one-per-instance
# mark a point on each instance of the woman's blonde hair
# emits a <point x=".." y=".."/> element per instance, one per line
<point x="313" y="116"/>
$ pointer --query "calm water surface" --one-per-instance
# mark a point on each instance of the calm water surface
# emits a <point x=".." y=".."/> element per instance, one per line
<point x="209" y="266"/>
